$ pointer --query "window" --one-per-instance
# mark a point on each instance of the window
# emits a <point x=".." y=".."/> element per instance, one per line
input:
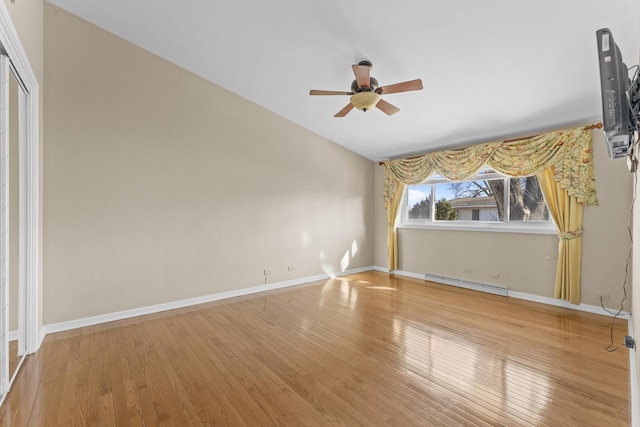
<point x="486" y="201"/>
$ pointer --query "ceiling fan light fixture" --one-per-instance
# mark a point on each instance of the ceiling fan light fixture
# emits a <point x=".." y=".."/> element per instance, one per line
<point x="365" y="92"/>
<point x="365" y="100"/>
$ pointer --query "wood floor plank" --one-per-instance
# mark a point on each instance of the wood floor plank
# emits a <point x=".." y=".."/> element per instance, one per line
<point x="311" y="364"/>
<point x="106" y="411"/>
<point x="365" y="349"/>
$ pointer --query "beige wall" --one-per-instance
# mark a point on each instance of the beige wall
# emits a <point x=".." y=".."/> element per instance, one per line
<point x="161" y="186"/>
<point x="606" y="242"/>
<point x="520" y="259"/>
<point x="635" y="281"/>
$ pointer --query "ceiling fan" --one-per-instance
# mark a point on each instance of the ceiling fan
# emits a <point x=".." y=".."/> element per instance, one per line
<point x="365" y="92"/>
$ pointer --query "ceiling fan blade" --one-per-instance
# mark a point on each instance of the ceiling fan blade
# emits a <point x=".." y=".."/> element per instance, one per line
<point x="344" y="111"/>
<point x="401" y="87"/>
<point x="362" y="73"/>
<point x="328" y="92"/>
<point x="386" y="107"/>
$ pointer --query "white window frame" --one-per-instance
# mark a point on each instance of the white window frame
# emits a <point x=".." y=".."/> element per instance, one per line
<point x="527" y="227"/>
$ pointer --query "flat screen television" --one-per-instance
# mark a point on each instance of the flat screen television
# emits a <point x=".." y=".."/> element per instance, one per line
<point x="619" y="122"/>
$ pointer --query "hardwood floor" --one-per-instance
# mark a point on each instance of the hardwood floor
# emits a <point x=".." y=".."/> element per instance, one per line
<point x="368" y="349"/>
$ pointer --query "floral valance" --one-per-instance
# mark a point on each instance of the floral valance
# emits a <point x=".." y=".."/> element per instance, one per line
<point x="569" y="151"/>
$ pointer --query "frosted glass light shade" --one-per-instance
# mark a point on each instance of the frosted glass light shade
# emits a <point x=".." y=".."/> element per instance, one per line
<point x="365" y="100"/>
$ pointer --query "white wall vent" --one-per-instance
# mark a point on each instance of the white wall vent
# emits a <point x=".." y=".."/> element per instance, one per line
<point x="490" y="289"/>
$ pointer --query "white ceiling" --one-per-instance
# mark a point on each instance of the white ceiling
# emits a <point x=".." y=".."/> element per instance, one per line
<point x="491" y="69"/>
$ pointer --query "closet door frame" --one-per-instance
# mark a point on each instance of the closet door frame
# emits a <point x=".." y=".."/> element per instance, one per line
<point x="30" y="209"/>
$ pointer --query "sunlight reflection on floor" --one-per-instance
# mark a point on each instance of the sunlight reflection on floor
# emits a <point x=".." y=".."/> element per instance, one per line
<point x="510" y="385"/>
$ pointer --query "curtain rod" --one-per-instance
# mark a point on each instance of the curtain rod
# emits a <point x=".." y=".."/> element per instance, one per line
<point x="588" y="127"/>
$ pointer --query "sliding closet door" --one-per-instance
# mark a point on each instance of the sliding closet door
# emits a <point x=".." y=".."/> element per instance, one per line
<point x="13" y="272"/>
<point x="4" y="224"/>
<point x="24" y="230"/>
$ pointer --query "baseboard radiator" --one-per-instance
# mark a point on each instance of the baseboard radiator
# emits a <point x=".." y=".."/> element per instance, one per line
<point x="490" y="289"/>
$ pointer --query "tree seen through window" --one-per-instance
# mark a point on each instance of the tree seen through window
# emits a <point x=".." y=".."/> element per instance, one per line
<point x="478" y="200"/>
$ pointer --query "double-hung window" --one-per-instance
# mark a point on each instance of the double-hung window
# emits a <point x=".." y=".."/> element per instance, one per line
<point x="488" y="201"/>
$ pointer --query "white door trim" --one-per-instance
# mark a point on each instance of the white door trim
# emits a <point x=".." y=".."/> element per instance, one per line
<point x="29" y="220"/>
<point x="4" y="224"/>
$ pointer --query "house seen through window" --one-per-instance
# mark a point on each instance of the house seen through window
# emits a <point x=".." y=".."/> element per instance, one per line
<point x="487" y="198"/>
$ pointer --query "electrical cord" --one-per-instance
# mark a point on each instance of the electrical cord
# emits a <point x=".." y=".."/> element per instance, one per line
<point x="610" y="348"/>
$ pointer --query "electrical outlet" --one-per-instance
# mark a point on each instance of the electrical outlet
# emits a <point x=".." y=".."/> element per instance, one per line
<point x="629" y="342"/>
<point x="267" y="272"/>
<point x="290" y="268"/>
<point x="605" y="298"/>
<point x="467" y="271"/>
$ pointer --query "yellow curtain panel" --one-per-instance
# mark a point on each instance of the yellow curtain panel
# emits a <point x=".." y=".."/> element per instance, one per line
<point x="567" y="215"/>
<point x="392" y="232"/>
<point x="564" y="156"/>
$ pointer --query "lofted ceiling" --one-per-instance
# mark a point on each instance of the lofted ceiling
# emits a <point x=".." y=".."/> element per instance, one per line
<point x="491" y="69"/>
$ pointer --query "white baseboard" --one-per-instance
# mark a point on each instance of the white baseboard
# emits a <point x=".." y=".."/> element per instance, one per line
<point x="40" y="337"/>
<point x="521" y="295"/>
<point x="126" y="314"/>
<point x="566" y="304"/>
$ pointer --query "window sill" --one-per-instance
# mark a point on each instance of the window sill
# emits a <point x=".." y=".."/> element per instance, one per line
<point x="484" y="227"/>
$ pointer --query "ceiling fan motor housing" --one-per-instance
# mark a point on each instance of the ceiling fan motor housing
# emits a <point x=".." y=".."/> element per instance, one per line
<point x="373" y="85"/>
